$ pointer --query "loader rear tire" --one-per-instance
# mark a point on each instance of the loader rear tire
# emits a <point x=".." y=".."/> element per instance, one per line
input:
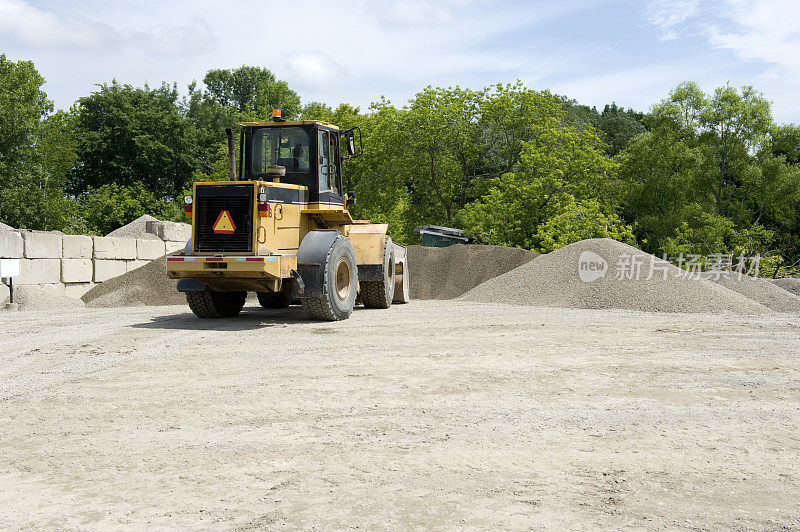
<point x="274" y="299"/>
<point x="212" y="304"/>
<point x="379" y="294"/>
<point x="340" y="282"/>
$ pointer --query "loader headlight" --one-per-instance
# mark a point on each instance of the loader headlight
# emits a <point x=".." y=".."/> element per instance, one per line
<point x="187" y="200"/>
<point x="262" y="197"/>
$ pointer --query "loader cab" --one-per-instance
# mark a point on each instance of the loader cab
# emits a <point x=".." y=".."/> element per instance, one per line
<point x="308" y="150"/>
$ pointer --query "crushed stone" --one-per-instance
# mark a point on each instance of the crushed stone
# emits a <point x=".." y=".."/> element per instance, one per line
<point x="447" y="273"/>
<point x="553" y="280"/>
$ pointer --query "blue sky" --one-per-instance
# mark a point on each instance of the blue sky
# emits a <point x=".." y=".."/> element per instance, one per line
<point x="631" y="52"/>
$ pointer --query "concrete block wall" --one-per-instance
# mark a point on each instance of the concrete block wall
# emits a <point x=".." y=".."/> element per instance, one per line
<point x="73" y="264"/>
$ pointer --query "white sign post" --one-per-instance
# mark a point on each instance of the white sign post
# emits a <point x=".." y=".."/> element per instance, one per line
<point x="9" y="268"/>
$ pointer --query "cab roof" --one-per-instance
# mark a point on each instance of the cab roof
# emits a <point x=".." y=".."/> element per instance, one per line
<point x="287" y="123"/>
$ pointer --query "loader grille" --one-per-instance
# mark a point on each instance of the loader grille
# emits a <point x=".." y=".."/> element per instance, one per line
<point x="210" y="201"/>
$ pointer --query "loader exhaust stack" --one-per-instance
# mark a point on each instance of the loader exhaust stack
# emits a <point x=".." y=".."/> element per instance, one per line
<point x="231" y="155"/>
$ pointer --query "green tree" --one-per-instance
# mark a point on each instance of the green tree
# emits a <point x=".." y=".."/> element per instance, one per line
<point x="786" y="142"/>
<point x="563" y="173"/>
<point x="111" y="206"/>
<point x="579" y="220"/>
<point x="23" y="106"/>
<point x="251" y="90"/>
<point x="706" y="173"/>
<point x="617" y="127"/>
<point x="130" y="135"/>
<point x="210" y="119"/>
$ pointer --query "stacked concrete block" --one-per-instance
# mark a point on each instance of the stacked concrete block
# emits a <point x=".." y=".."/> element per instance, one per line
<point x="42" y="245"/>
<point x="107" y="269"/>
<point x="133" y="264"/>
<point x="111" y="256"/>
<point x="54" y="288"/>
<point x="77" y="247"/>
<point x="77" y="290"/>
<point x="174" y="246"/>
<point x="110" y="248"/>
<point x="149" y="249"/>
<point x="170" y="231"/>
<point x="76" y="270"/>
<point x="12" y="245"/>
<point x="39" y="271"/>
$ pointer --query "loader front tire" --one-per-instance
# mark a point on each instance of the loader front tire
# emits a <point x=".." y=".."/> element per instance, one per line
<point x="340" y="282"/>
<point x="212" y="304"/>
<point x="274" y="299"/>
<point x="379" y="294"/>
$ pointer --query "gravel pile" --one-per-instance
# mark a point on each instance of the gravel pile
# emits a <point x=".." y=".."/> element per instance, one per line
<point x="147" y="285"/>
<point x="31" y="298"/>
<point x="790" y="284"/>
<point x="5" y="227"/>
<point x="447" y="273"/>
<point x="553" y="280"/>
<point x="135" y="229"/>
<point x="760" y="290"/>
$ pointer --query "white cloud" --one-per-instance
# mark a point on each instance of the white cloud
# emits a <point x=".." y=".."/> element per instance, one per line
<point x="357" y="51"/>
<point x="758" y="38"/>
<point x="667" y="14"/>
<point x="32" y="26"/>
<point x="761" y="31"/>
<point x="24" y="24"/>
<point x="312" y="70"/>
<point x="412" y="12"/>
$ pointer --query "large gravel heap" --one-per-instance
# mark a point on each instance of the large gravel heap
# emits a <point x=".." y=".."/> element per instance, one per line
<point x="761" y="290"/>
<point x="790" y="284"/>
<point x="147" y="285"/>
<point x="136" y="229"/>
<point x="446" y="273"/>
<point x="553" y="280"/>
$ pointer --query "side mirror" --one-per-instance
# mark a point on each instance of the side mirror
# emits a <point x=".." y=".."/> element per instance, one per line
<point x="351" y="197"/>
<point x="350" y="142"/>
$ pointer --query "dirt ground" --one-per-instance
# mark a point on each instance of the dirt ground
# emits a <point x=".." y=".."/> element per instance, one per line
<point x="432" y="415"/>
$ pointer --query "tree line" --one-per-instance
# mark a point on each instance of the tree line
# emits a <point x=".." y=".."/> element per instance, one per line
<point x="696" y="174"/>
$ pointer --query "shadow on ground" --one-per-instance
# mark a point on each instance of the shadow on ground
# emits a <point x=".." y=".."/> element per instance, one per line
<point x="250" y="318"/>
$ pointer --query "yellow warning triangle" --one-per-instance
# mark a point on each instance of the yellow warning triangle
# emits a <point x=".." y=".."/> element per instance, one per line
<point x="224" y="224"/>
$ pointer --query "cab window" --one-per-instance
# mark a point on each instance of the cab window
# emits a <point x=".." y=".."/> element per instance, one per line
<point x="323" y="144"/>
<point x="328" y="144"/>
<point x="288" y="147"/>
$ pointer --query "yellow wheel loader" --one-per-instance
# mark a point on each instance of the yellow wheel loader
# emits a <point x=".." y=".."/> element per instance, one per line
<point x="281" y="228"/>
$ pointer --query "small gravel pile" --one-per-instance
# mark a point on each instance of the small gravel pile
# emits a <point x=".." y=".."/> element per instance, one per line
<point x="31" y="298"/>
<point x="555" y="280"/>
<point x="760" y="290"/>
<point x="147" y="285"/>
<point x="447" y="273"/>
<point x="790" y="284"/>
<point x="136" y="229"/>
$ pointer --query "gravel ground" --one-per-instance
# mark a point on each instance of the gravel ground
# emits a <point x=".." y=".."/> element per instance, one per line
<point x="554" y="280"/>
<point x="434" y="415"/>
